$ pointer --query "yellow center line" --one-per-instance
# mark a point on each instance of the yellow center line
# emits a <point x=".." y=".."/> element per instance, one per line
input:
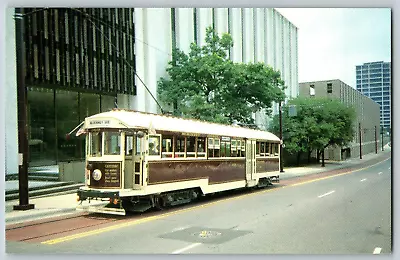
<point x="144" y="220"/>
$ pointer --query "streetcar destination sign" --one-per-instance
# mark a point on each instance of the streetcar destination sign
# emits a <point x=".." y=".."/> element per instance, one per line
<point x="99" y="122"/>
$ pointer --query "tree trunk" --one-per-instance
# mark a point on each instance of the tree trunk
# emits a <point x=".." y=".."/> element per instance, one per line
<point x="309" y="157"/>
<point x="298" y="158"/>
<point x="175" y="113"/>
<point x="323" y="158"/>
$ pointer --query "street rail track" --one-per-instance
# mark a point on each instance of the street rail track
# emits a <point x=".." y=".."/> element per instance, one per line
<point x="51" y="228"/>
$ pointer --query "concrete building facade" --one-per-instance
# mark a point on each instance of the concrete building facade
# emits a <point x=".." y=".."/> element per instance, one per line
<point x="367" y="112"/>
<point x="374" y="81"/>
<point x="84" y="61"/>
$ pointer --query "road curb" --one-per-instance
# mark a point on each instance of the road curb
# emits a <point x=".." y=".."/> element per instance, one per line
<point x="50" y="213"/>
<point x="44" y="191"/>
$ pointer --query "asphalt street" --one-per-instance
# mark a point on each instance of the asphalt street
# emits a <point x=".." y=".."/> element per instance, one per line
<point x="345" y="214"/>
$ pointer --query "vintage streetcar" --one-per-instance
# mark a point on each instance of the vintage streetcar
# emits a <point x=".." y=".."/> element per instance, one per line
<point x="138" y="161"/>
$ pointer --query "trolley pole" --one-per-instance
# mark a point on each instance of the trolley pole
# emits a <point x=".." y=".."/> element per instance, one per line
<point x="22" y="112"/>
<point x="359" y="132"/>
<point x="280" y="137"/>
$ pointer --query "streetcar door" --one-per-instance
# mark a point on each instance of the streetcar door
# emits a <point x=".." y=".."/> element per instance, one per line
<point x="138" y="156"/>
<point x="129" y="164"/>
<point x="250" y="160"/>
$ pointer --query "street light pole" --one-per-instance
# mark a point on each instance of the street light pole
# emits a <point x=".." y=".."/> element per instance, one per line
<point x="23" y="146"/>
<point x="359" y="132"/>
<point x="382" y="137"/>
<point x="280" y="137"/>
<point x="376" y="142"/>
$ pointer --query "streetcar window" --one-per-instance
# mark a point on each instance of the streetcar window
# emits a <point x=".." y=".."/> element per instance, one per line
<point x="154" y="145"/>
<point x="210" y="147"/>
<point x="262" y="149"/>
<point x="138" y="145"/>
<point x="201" y="146"/>
<point x="180" y="146"/>
<point x="276" y="149"/>
<point x="243" y="150"/>
<point x="213" y="147"/>
<point x="267" y="149"/>
<point x="87" y="145"/>
<point x="96" y="140"/>
<point x="210" y="143"/>
<point x="128" y="145"/>
<point x="233" y="148"/>
<point x="237" y="149"/>
<point x="190" y="146"/>
<point x="112" y="143"/>
<point x="216" y="152"/>
<point x="258" y="148"/>
<point x="225" y="149"/>
<point x="167" y="146"/>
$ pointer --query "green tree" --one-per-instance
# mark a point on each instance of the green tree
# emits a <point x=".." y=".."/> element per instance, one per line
<point x="319" y="123"/>
<point x="205" y="84"/>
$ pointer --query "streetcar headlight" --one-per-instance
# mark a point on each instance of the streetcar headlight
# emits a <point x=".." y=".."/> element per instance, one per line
<point x="89" y="166"/>
<point x="96" y="175"/>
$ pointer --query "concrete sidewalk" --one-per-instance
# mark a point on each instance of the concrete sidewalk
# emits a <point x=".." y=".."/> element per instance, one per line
<point x="57" y="205"/>
<point x="292" y="172"/>
<point x="45" y="207"/>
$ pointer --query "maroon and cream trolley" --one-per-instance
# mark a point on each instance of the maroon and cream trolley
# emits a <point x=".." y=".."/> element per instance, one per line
<point x="138" y="160"/>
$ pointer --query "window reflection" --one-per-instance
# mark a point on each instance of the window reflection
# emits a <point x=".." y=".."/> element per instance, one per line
<point x="95" y="144"/>
<point x="107" y="103"/>
<point x="112" y="143"/>
<point x="54" y="113"/>
<point x="41" y="131"/>
<point x="89" y="105"/>
<point x="67" y="119"/>
<point x="154" y="145"/>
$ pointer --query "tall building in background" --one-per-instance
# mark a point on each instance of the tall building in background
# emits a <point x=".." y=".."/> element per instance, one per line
<point x="80" y="62"/>
<point x="374" y="81"/>
<point x="367" y="116"/>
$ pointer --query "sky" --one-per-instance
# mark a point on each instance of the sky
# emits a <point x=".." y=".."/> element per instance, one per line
<point x="332" y="41"/>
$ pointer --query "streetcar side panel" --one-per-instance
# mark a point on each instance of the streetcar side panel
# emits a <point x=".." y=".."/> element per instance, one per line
<point x="216" y="171"/>
<point x="267" y="165"/>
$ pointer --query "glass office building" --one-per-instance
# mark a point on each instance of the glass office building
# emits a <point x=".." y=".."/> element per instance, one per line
<point x="82" y="61"/>
<point x="374" y="81"/>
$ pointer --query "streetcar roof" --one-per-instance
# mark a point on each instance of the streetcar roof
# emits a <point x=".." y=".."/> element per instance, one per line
<point x="119" y="118"/>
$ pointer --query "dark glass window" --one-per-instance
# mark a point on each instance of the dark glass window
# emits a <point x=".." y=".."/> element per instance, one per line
<point x="41" y="131"/>
<point x="107" y="103"/>
<point x="89" y="104"/>
<point x="329" y="87"/>
<point x="67" y="119"/>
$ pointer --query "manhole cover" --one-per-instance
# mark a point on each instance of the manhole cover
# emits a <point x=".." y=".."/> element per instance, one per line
<point x="206" y="234"/>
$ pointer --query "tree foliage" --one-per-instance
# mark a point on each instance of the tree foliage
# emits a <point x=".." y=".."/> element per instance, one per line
<point x="205" y="84"/>
<point x="319" y="123"/>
